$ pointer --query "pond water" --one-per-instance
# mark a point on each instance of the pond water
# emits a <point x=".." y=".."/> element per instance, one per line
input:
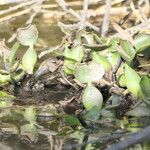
<point x="42" y="127"/>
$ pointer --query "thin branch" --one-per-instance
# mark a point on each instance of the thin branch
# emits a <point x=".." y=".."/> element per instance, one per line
<point x="11" y="1"/>
<point x="10" y="9"/>
<point x="84" y="13"/>
<point x="141" y="136"/>
<point x="63" y="5"/>
<point x="105" y="24"/>
<point x="36" y="9"/>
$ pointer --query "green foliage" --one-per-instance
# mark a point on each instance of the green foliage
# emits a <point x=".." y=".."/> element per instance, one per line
<point x="145" y="87"/>
<point x="13" y="52"/>
<point x="122" y="80"/>
<point x="128" y="50"/>
<point x="30" y="114"/>
<point x="132" y="80"/>
<point x="29" y="60"/>
<point x="92" y="97"/>
<point x="71" y="120"/>
<point x="5" y="99"/>
<point x="75" y="53"/>
<point x="114" y="58"/>
<point x="88" y="73"/>
<point x="102" y="60"/>
<point x="142" y="42"/>
<point x="4" y="79"/>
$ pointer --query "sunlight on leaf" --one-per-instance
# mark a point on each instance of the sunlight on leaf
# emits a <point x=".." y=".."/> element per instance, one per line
<point x="102" y="60"/>
<point x="6" y="96"/>
<point x="91" y="97"/>
<point x="122" y="80"/>
<point x="29" y="60"/>
<point x="27" y="36"/>
<point x="132" y="81"/>
<point x="128" y="49"/>
<point x="69" y="66"/>
<point x="114" y="58"/>
<point x="75" y="53"/>
<point x="88" y="73"/>
<point x="4" y="79"/>
<point x="142" y="42"/>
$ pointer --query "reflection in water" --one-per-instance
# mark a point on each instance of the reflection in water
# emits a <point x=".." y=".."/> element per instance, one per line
<point x="22" y="129"/>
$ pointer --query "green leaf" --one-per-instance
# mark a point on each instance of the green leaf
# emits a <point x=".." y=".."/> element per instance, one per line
<point x="3" y="104"/>
<point x="75" y="53"/>
<point x="132" y="81"/>
<point x="27" y="36"/>
<point x="13" y="52"/>
<point x="88" y="37"/>
<point x="142" y="42"/>
<point x="113" y="42"/>
<point x="5" y="99"/>
<point x="114" y="58"/>
<point x="88" y="72"/>
<point x="6" y="96"/>
<point x="69" y="66"/>
<point x="18" y="76"/>
<point x="4" y="79"/>
<point x="68" y="71"/>
<point x="30" y="114"/>
<point x="69" y="63"/>
<point x="29" y="60"/>
<point x="102" y="60"/>
<point x="92" y="97"/>
<point x="71" y="120"/>
<point x="145" y="87"/>
<point x="128" y="49"/>
<point x="122" y="80"/>
<point x="100" y="40"/>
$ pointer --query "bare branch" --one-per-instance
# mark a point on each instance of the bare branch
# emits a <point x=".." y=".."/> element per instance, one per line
<point x="141" y="136"/>
<point x="63" y="5"/>
<point x="84" y="13"/>
<point x="105" y="24"/>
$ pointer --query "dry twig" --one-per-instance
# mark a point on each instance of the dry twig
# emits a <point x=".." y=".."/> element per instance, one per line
<point x="105" y="24"/>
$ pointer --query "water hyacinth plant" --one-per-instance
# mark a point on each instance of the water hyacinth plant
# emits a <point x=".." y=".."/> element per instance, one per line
<point x="28" y="37"/>
<point x="90" y="73"/>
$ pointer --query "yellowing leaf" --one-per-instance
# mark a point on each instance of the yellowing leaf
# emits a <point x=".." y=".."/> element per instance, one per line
<point x="29" y="60"/>
<point x="132" y="81"/>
